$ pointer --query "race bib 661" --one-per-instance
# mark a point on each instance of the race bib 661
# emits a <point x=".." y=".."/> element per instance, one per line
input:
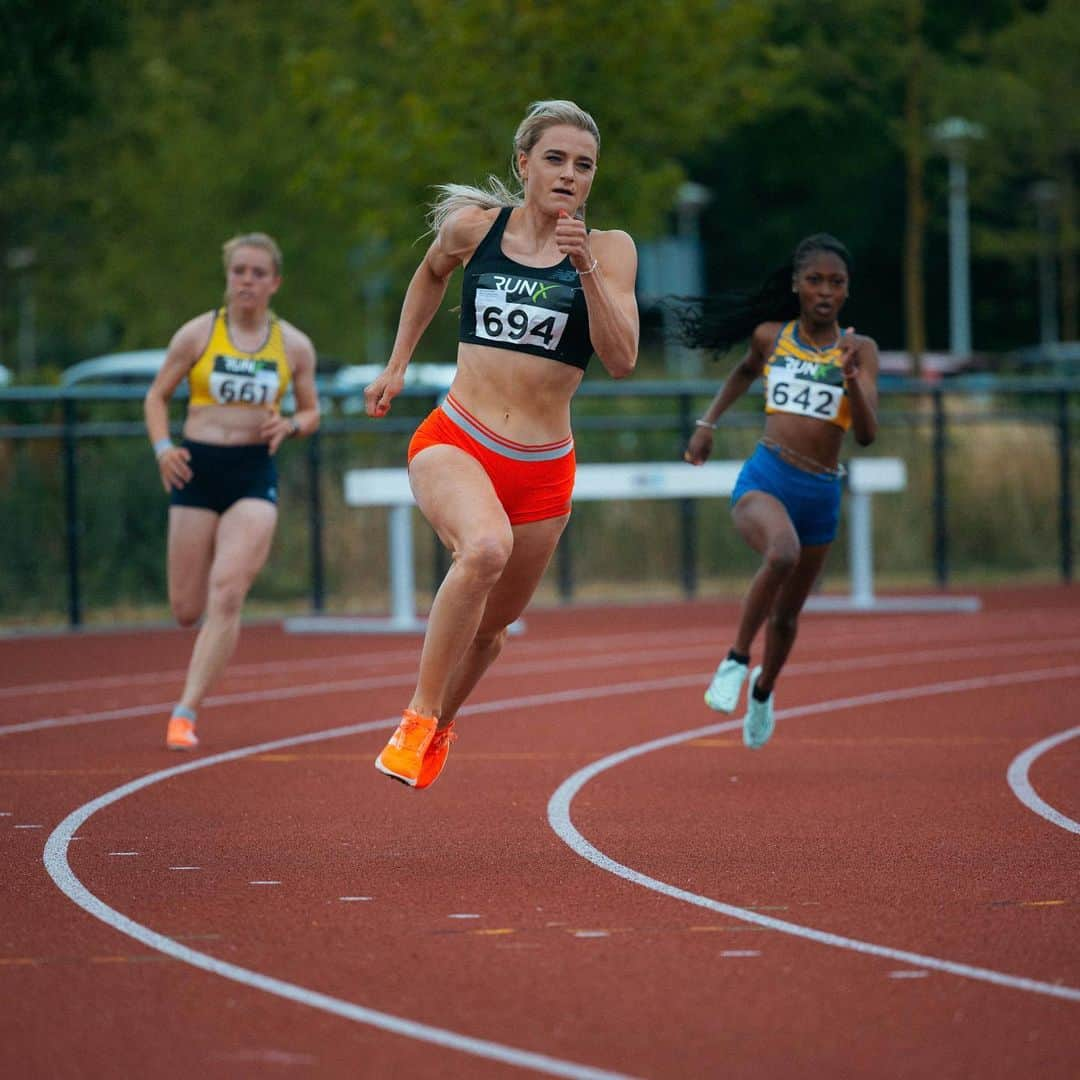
<point x="239" y="381"/>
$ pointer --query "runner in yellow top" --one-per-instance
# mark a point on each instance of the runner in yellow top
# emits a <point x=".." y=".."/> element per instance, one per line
<point x="227" y="375"/>
<point x="819" y="382"/>
<point x="222" y="481"/>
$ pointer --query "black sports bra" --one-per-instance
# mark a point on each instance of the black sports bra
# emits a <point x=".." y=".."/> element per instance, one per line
<point x="532" y="309"/>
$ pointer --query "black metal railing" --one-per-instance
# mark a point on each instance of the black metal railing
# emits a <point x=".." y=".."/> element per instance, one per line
<point x="655" y="415"/>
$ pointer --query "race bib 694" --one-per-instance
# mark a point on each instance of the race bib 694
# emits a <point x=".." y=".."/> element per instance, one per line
<point x="520" y="311"/>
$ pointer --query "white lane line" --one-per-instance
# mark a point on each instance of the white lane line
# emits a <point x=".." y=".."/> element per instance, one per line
<point x="560" y="821"/>
<point x="238" y="671"/>
<point x="908" y="974"/>
<point x="60" y="871"/>
<point x="883" y="630"/>
<point x="264" y="882"/>
<point x="581" y="663"/>
<point x="1017" y="776"/>
<point x="56" y="864"/>
<point x="355" y="899"/>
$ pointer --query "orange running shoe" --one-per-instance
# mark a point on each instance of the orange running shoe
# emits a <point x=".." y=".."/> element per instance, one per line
<point x="435" y="757"/>
<point x="403" y="755"/>
<point x="181" y="734"/>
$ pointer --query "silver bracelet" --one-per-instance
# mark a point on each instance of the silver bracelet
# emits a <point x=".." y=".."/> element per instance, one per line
<point x="161" y="446"/>
<point x="595" y="264"/>
<point x="705" y="423"/>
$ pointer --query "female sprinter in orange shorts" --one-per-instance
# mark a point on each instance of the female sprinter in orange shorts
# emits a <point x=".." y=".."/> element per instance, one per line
<point x="819" y="382"/>
<point x="239" y="361"/>
<point x="492" y="468"/>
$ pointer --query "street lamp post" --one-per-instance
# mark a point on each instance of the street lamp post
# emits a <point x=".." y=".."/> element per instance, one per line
<point x="1044" y="194"/>
<point x="21" y="261"/>
<point x="688" y="262"/>
<point x="953" y="135"/>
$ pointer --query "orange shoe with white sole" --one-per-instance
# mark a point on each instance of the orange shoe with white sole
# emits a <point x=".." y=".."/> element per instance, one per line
<point x="403" y="756"/>
<point x="181" y="734"/>
<point x="435" y="757"/>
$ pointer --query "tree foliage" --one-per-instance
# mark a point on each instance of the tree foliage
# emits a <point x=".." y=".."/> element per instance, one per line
<point x="139" y="136"/>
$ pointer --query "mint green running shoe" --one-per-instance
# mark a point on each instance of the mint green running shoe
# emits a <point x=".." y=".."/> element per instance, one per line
<point x="723" y="692"/>
<point x="759" y="722"/>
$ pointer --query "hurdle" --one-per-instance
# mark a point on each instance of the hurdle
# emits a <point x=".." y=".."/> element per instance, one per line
<point x="634" y="480"/>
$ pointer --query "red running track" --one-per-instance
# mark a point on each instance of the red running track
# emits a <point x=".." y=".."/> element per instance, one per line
<point x="603" y="883"/>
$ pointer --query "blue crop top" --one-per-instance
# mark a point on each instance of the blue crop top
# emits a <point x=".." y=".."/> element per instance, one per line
<point x="532" y="309"/>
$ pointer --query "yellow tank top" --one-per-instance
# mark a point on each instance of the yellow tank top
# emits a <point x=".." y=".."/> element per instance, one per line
<point x="806" y="381"/>
<point x="226" y="375"/>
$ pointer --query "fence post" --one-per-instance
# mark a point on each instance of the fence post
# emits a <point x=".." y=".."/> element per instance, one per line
<point x="941" y="534"/>
<point x="315" y="518"/>
<point x="71" y="514"/>
<point x="1064" y="452"/>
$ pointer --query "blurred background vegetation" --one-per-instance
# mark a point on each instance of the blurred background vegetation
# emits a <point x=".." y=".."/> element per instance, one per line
<point x="136" y="136"/>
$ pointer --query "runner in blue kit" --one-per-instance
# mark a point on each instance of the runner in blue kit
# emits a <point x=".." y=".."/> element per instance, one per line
<point x="820" y="381"/>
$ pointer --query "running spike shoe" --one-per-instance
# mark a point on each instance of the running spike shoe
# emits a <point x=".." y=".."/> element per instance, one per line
<point x="180" y="734"/>
<point x="435" y="757"/>
<point x="723" y="692"/>
<point x="759" y="721"/>
<point x="403" y="756"/>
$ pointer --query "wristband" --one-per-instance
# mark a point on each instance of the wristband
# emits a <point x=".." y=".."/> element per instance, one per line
<point x="705" y="424"/>
<point x="595" y="264"/>
<point x="161" y="446"/>
<point x="294" y="429"/>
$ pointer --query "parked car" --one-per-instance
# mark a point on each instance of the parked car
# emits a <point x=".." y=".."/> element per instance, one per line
<point x="138" y="366"/>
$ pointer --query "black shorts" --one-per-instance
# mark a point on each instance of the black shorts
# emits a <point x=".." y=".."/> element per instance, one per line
<point x="225" y="474"/>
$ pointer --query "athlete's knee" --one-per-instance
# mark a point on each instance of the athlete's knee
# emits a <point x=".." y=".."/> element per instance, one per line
<point x="782" y="554"/>
<point x="484" y="557"/>
<point x="227" y="594"/>
<point x="186" y="615"/>
<point x="186" y="610"/>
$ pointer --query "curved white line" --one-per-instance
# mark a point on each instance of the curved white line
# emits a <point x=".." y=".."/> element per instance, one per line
<point x="60" y="870"/>
<point x="560" y="821"/>
<point x="1017" y="775"/>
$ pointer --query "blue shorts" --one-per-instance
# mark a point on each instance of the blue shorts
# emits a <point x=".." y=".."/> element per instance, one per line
<point x="811" y="499"/>
<point x="225" y="474"/>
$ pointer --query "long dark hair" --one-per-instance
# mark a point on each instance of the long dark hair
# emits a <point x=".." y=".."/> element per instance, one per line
<point x="722" y="320"/>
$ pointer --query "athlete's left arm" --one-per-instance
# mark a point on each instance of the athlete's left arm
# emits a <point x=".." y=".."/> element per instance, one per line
<point x="305" y="420"/>
<point x="609" y="290"/>
<point x="860" y="366"/>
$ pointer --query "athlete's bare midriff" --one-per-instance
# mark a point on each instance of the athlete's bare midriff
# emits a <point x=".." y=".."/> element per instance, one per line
<point x="523" y="398"/>
<point x="816" y="439"/>
<point x="226" y="425"/>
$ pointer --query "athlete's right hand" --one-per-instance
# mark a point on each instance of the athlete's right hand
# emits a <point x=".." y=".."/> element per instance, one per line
<point x="174" y="468"/>
<point x="380" y="392"/>
<point x="699" y="447"/>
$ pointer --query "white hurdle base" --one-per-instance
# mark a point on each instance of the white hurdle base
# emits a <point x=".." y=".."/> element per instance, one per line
<point x="892" y="604"/>
<point x="375" y="624"/>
